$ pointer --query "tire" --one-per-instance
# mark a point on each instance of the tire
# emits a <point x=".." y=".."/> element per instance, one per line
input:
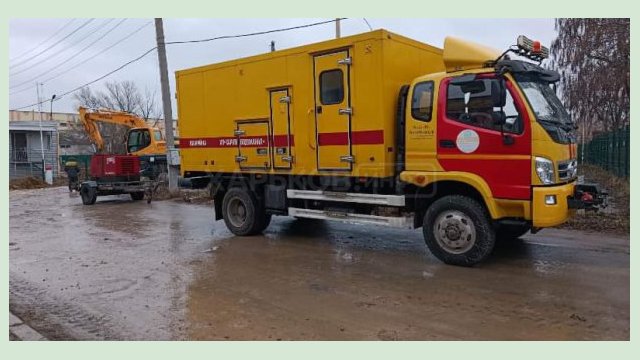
<point x="88" y="195"/>
<point x="137" y="196"/>
<point x="505" y="233"/>
<point x="242" y="212"/>
<point x="458" y="231"/>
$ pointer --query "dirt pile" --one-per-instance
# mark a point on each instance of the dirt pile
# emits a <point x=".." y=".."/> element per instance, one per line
<point x="27" y="183"/>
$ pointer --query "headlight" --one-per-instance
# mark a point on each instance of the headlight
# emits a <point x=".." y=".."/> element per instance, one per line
<point x="544" y="168"/>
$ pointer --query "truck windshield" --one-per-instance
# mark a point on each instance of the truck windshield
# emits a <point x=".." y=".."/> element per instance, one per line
<point x="544" y="102"/>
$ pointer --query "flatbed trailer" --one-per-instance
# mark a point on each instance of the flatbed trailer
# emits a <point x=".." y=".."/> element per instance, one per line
<point x="90" y="190"/>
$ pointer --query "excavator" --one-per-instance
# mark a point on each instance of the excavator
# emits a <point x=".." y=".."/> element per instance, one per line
<point x="136" y="173"/>
<point x="142" y="140"/>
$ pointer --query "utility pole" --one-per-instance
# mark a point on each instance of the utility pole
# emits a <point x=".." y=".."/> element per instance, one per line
<point x="41" y="138"/>
<point x="166" y="106"/>
<point x="337" y="28"/>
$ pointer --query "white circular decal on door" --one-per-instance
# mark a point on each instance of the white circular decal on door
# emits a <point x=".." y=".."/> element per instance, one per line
<point x="468" y="141"/>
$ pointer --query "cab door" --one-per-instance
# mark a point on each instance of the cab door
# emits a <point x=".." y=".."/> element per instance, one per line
<point x="333" y="111"/>
<point x="472" y="140"/>
<point x="253" y="144"/>
<point x="281" y="129"/>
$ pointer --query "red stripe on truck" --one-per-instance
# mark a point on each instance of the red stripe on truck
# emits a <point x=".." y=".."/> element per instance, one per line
<point x="367" y="137"/>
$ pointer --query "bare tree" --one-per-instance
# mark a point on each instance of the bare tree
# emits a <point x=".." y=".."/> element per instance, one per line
<point x="593" y="56"/>
<point x="148" y="107"/>
<point x="120" y="96"/>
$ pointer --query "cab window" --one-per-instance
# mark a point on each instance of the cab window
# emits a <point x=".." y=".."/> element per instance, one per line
<point x="138" y="139"/>
<point x="422" y="101"/>
<point x="473" y="103"/>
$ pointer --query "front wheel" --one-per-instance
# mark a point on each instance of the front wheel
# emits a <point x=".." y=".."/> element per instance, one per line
<point x="458" y="231"/>
<point x="88" y="195"/>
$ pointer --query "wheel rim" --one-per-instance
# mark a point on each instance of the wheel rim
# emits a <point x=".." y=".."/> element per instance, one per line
<point x="237" y="212"/>
<point x="454" y="231"/>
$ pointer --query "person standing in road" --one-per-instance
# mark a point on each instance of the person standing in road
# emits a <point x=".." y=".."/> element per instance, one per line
<point x="72" y="170"/>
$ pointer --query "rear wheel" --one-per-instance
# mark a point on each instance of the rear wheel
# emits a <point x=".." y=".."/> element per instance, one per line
<point x="88" y="195"/>
<point x="243" y="213"/>
<point x="137" y="196"/>
<point x="457" y="231"/>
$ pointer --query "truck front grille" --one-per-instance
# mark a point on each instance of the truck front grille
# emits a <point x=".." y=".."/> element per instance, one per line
<point x="567" y="170"/>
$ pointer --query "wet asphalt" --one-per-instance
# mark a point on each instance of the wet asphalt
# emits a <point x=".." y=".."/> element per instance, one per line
<point x="123" y="270"/>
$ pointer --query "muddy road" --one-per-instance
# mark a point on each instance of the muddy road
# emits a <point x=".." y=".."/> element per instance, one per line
<point x="165" y="270"/>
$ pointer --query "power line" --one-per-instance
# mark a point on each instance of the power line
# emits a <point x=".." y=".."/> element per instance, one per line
<point x="43" y="42"/>
<point x="72" y="56"/>
<point x="60" y="51"/>
<point x="369" y="25"/>
<point x="54" y="44"/>
<point x="254" y="33"/>
<point x="59" y="96"/>
<point x="92" y="81"/>
<point x="75" y="66"/>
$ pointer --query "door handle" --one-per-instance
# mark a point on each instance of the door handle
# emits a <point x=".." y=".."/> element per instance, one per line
<point x="508" y="140"/>
<point x="447" y="143"/>
<point x="319" y="109"/>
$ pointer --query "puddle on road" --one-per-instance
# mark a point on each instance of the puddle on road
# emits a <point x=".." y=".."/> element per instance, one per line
<point x="165" y="270"/>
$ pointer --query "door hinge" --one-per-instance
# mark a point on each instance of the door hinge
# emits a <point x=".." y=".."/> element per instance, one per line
<point x="288" y="159"/>
<point x="345" y="61"/>
<point x="348" y="158"/>
<point x="346" y="111"/>
<point x="285" y="99"/>
<point x="240" y="158"/>
<point x="239" y="132"/>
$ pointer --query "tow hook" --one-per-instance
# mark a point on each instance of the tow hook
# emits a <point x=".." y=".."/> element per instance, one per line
<point x="588" y="196"/>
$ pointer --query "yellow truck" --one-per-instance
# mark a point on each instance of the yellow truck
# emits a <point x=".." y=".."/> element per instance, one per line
<point x="468" y="143"/>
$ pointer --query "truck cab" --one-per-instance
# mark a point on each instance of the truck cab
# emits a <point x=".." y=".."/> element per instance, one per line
<point x="496" y="123"/>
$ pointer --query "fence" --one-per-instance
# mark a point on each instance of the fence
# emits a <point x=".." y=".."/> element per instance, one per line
<point x="610" y="151"/>
<point x="18" y="170"/>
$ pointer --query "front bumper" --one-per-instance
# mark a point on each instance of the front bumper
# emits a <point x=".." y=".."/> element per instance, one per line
<point x="546" y="214"/>
<point x="568" y="198"/>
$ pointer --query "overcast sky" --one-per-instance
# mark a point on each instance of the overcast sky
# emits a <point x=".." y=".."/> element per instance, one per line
<point x="49" y="51"/>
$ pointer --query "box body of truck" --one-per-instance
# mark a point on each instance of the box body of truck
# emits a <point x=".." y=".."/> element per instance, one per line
<point x="325" y="109"/>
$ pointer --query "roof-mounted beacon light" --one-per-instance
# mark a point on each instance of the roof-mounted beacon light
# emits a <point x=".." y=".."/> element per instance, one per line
<point x="531" y="49"/>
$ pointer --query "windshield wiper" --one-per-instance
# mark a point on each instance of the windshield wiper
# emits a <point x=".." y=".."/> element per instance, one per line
<point x="562" y="125"/>
<point x="550" y="121"/>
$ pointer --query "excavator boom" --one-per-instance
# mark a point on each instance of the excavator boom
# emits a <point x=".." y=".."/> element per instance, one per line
<point x="91" y="118"/>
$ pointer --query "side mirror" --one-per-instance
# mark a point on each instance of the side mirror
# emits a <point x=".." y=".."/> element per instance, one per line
<point x="498" y="93"/>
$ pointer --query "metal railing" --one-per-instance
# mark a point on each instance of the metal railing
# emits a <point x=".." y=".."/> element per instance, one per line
<point x="610" y="151"/>
<point x="19" y="155"/>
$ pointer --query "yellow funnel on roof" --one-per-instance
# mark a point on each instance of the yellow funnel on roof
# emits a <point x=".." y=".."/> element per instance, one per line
<point x="462" y="55"/>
